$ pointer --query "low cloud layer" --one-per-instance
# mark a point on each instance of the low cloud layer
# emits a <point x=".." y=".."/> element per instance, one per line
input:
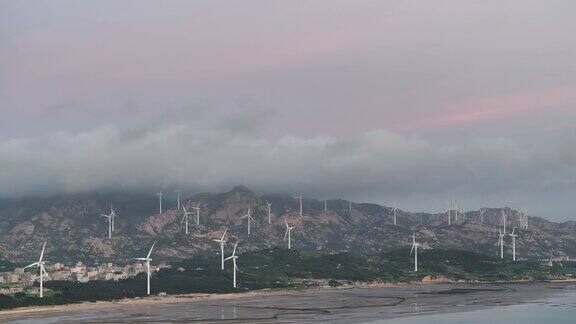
<point x="378" y="166"/>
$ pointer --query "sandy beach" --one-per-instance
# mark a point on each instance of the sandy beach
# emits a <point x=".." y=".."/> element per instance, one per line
<point x="340" y="305"/>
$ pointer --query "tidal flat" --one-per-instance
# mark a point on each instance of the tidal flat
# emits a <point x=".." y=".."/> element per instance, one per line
<point x="401" y="303"/>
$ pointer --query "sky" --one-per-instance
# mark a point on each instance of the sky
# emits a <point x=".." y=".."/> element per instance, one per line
<point x="413" y="102"/>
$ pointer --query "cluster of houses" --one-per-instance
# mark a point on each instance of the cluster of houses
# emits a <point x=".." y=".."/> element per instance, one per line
<point x="20" y="280"/>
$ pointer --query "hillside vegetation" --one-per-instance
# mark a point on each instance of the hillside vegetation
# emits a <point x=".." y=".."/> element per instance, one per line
<point x="284" y="269"/>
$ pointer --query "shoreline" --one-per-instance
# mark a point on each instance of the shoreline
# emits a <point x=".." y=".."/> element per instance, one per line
<point x="199" y="297"/>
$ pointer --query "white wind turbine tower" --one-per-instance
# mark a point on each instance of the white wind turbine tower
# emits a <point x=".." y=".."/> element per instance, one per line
<point x="222" y="241"/>
<point x="300" y="199"/>
<point x="249" y="217"/>
<point x="287" y="234"/>
<point x="160" y="194"/>
<point x="110" y="221"/>
<point x="349" y="206"/>
<point x="197" y="208"/>
<point x="481" y="215"/>
<point x="40" y="265"/>
<point x="178" y="198"/>
<point x="513" y="244"/>
<point x="233" y="257"/>
<point x="501" y="241"/>
<point x="393" y="211"/>
<point x="449" y="212"/>
<point x="415" y="250"/>
<point x="325" y="206"/>
<point x="269" y="207"/>
<point x="185" y="218"/>
<point x="148" y="274"/>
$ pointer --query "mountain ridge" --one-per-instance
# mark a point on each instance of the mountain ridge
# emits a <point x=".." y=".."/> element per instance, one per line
<point x="76" y="231"/>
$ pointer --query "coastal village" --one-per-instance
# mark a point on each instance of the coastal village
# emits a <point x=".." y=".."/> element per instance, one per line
<point x="21" y="280"/>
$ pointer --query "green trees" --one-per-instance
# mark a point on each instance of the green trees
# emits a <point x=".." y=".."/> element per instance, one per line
<point x="280" y="268"/>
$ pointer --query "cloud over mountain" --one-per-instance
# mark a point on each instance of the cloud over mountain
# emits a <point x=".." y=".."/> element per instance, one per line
<point x="377" y="165"/>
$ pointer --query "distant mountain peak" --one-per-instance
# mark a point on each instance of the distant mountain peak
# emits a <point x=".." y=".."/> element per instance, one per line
<point x="242" y="189"/>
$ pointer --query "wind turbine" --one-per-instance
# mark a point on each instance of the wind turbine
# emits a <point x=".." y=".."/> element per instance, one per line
<point x="501" y="241"/>
<point x="513" y="244"/>
<point x="481" y="216"/>
<point x="456" y="212"/>
<point x="325" y="206"/>
<point x="233" y="257"/>
<point x="393" y="211"/>
<point x="300" y="199"/>
<point x="113" y="213"/>
<point x="178" y="198"/>
<point x="287" y="234"/>
<point x="349" y="206"/>
<point x="503" y="219"/>
<point x="222" y="241"/>
<point x="249" y="217"/>
<point x="524" y="220"/>
<point x="449" y="212"/>
<point x="185" y="218"/>
<point x="160" y="194"/>
<point x="110" y="221"/>
<point x="40" y="265"/>
<point x="148" y="274"/>
<point x="269" y="206"/>
<point x="520" y="219"/>
<point x="197" y="208"/>
<point x="415" y="250"/>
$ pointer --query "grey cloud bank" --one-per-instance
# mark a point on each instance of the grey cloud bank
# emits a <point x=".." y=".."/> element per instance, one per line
<point x="378" y="166"/>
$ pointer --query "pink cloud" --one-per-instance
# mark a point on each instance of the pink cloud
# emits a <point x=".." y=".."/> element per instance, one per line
<point x="497" y="107"/>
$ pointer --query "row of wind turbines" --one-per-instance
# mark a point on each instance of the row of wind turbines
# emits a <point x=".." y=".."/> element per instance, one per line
<point x="111" y="217"/>
<point x="221" y="241"/>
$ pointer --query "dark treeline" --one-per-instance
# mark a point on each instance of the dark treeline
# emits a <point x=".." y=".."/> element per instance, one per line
<point x="278" y="267"/>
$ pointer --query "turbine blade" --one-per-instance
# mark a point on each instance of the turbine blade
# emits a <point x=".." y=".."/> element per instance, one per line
<point x="42" y="253"/>
<point x="223" y="235"/>
<point x="44" y="271"/>
<point x="286" y="234"/>
<point x="150" y="252"/>
<point x="234" y="251"/>
<point x="412" y="250"/>
<point x="31" y="265"/>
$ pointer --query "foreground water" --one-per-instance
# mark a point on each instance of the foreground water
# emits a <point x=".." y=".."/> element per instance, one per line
<point x="559" y="308"/>
<point x="525" y="303"/>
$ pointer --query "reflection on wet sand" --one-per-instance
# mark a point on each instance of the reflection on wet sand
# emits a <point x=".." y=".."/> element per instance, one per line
<point x="354" y="305"/>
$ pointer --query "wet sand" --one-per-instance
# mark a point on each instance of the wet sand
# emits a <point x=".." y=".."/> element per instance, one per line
<point x="351" y="305"/>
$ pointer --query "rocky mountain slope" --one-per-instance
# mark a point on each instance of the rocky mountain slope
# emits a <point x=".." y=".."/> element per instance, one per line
<point x="74" y="229"/>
